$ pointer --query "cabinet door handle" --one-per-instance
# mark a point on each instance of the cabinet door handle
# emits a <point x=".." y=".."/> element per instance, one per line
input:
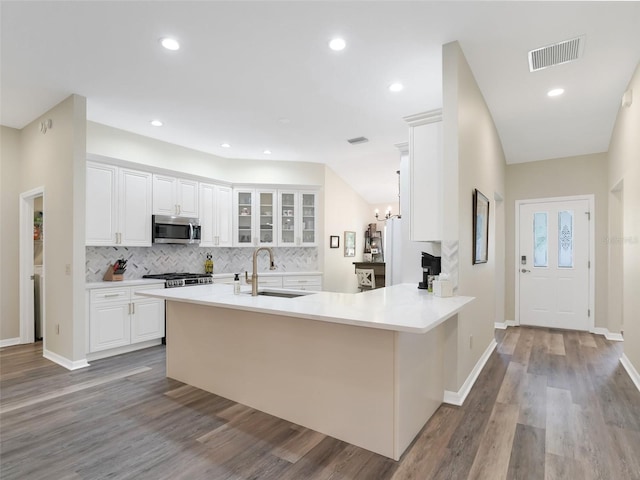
<point x="133" y="309"/>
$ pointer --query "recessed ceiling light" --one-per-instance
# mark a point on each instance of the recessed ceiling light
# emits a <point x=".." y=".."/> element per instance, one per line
<point x="396" y="87"/>
<point x="267" y="152"/>
<point x="156" y="123"/>
<point x="170" y="43"/>
<point x="555" y="92"/>
<point x="225" y="145"/>
<point x="337" y="44"/>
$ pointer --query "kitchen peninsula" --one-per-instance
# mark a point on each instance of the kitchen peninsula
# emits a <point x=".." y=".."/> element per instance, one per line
<point x="365" y="368"/>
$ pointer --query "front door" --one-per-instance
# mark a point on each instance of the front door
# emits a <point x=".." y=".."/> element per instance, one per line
<point x="553" y="264"/>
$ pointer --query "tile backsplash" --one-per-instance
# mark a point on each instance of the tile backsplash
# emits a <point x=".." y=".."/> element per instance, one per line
<point x="189" y="258"/>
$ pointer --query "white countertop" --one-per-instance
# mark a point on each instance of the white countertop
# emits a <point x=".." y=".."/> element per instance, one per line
<point x="402" y="308"/>
<point x="124" y="283"/>
<point x="149" y="281"/>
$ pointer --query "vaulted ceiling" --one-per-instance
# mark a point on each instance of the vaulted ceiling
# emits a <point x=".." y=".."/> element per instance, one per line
<point x="260" y="76"/>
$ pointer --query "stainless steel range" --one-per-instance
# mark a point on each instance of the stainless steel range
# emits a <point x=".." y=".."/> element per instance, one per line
<point x="173" y="280"/>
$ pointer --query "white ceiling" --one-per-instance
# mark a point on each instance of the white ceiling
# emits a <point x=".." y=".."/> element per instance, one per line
<point x="245" y="66"/>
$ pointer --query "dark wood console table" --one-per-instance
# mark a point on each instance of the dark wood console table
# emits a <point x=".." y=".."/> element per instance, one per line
<point x="378" y="271"/>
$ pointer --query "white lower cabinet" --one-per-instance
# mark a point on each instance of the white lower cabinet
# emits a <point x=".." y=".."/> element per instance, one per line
<point x="119" y="317"/>
<point x="303" y="282"/>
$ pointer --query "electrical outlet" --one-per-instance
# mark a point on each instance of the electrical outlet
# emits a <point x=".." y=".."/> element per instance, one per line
<point x="67" y="269"/>
<point x="470" y="341"/>
<point x="57" y="329"/>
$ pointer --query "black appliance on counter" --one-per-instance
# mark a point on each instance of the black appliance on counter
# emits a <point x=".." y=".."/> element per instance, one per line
<point x="431" y="266"/>
<point x="173" y="280"/>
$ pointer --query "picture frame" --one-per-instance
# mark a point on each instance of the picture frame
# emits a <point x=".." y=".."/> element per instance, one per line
<point x="480" y="227"/>
<point x="334" y="241"/>
<point x="349" y="244"/>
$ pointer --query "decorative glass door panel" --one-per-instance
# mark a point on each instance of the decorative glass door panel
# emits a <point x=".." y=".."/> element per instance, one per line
<point x="288" y="210"/>
<point x="245" y="218"/>
<point x="308" y="218"/>
<point x="267" y="215"/>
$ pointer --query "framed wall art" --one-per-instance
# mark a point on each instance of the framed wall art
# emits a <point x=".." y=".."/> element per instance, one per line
<point x="480" y="227"/>
<point x="349" y="244"/>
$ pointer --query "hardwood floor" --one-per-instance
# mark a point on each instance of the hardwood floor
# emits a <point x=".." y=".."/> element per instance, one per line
<point x="548" y="405"/>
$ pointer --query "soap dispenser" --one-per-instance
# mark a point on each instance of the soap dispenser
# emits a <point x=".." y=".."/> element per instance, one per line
<point x="208" y="264"/>
<point x="236" y="284"/>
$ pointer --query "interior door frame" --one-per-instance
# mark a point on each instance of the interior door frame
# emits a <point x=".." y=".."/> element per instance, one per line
<point x="592" y="259"/>
<point x="27" y="325"/>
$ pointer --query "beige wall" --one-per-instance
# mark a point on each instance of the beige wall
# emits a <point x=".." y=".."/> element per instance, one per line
<point x="624" y="165"/>
<point x="473" y="158"/>
<point x="55" y="161"/>
<point x="581" y="175"/>
<point x="122" y="145"/>
<point x="345" y="210"/>
<point x="9" y="224"/>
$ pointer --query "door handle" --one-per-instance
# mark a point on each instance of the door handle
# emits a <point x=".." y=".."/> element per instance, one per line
<point x="524" y="270"/>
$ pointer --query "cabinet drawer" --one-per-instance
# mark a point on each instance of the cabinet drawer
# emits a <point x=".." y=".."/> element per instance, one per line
<point x="104" y="295"/>
<point x="135" y="290"/>
<point x="270" y="281"/>
<point x="297" y="281"/>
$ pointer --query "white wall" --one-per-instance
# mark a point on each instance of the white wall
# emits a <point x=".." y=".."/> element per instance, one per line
<point x="345" y="210"/>
<point x="56" y="161"/>
<point x="473" y="158"/>
<point x="122" y="145"/>
<point x="9" y="225"/>
<point x="624" y="166"/>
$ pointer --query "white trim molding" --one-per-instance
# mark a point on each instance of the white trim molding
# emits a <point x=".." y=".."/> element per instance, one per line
<point x="505" y="324"/>
<point x="9" y="342"/>
<point x="458" y="398"/>
<point x="63" y="361"/>
<point x="614" y="337"/>
<point x="633" y="373"/>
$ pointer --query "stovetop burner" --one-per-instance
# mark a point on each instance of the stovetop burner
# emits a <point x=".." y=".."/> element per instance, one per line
<point x="182" y="279"/>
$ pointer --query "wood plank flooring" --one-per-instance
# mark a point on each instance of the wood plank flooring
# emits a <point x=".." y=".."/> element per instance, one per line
<point x="548" y="405"/>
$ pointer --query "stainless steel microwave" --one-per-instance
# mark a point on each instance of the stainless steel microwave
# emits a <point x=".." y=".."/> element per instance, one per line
<point x="170" y="229"/>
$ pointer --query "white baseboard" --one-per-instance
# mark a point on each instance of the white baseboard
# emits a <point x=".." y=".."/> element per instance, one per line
<point x="633" y="373"/>
<point x="458" y="398"/>
<point x="63" y="361"/>
<point x="125" y="349"/>
<point x="8" y="342"/>
<point x="505" y="324"/>
<point x="614" y="337"/>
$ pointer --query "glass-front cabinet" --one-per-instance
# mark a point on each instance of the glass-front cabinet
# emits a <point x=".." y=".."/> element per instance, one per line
<point x="297" y="218"/>
<point x="254" y="215"/>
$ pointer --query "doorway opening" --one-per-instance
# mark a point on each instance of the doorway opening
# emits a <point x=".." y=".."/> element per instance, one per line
<point x="32" y="266"/>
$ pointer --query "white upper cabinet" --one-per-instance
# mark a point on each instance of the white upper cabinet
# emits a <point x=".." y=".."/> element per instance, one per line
<point x="297" y="218"/>
<point x="254" y="217"/>
<point x="118" y="206"/>
<point x="426" y="176"/>
<point x="175" y="196"/>
<point x="215" y="215"/>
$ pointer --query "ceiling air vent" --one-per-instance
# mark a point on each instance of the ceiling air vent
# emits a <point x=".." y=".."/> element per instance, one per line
<point x="556" y="54"/>
<point x="358" y="140"/>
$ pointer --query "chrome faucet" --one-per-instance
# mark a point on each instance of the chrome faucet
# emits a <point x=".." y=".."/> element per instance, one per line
<point x="254" y="275"/>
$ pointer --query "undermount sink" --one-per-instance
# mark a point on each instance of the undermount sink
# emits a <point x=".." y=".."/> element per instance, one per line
<point x="280" y="293"/>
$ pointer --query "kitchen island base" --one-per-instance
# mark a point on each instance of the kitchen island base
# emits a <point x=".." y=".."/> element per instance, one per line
<point x="370" y="387"/>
